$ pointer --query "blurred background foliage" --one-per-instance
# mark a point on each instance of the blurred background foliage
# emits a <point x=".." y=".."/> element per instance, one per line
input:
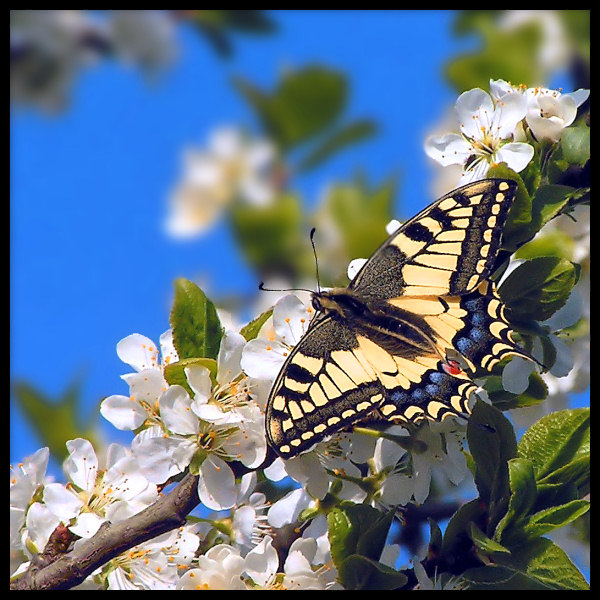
<point x="304" y="115"/>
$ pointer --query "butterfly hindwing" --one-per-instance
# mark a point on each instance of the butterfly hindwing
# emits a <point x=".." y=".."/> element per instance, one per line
<point x="338" y="375"/>
<point x="474" y="325"/>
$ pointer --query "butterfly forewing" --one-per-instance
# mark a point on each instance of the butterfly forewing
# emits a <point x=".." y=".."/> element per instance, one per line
<point x="324" y="385"/>
<point x="447" y="249"/>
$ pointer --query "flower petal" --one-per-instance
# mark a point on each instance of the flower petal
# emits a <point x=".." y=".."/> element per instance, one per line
<point x="122" y="413"/>
<point x="198" y="378"/>
<point x="451" y="149"/>
<point x="515" y="376"/>
<point x="82" y="464"/>
<point x="230" y="355"/>
<point x="262" y="561"/>
<point x="175" y="411"/>
<point x="290" y="319"/>
<point x="516" y="155"/>
<point x="474" y="109"/>
<point x="263" y="359"/>
<point x="511" y="109"/>
<point x="216" y="486"/>
<point x="579" y="96"/>
<point x="138" y="351"/>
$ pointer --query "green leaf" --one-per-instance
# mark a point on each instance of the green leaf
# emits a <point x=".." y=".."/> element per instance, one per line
<point x="496" y="577"/>
<point x="457" y="528"/>
<point x="372" y="541"/>
<point x="196" y="326"/>
<point x="343" y="533"/>
<point x="548" y="202"/>
<point x="555" y="494"/>
<point x="250" y="331"/>
<point x="175" y="372"/>
<point x="537" y="288"/>
<point x="536" y="392"/>
<point x="435" y="536"/>
<point x="357" y="572"/>
<point x="549" y="243"/>
<point x="483" y="543"/>
<point x="491" y="450"/>
<point x="575" y="145"/>
<point x="272" y="238"/>
<point x="523" y="497"/>
<point x="538" y="565"/>
<point x="577" y="472"/>
<point x="554" y="517"/>
<point x="518" y="228"/>
<point x="197" y="460"/>
<point x="340" y="138"/>
<point x="556" y="441"/>
<point x="571" y="154"/>
<point x="56" y="421"/>
<point x="546" y="563"/>
<point x="305" y="103"/>
<point x="357" y="528"/>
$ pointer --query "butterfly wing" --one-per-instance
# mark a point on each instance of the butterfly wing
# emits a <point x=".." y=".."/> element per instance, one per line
<point x="320" y="388"/>
<point x="435" y="269"/>
<point x="449" y="248"/>
<point x="338" y="375"/>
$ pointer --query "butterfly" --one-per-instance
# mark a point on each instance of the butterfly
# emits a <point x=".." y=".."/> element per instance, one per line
<point x="399" y="342"/>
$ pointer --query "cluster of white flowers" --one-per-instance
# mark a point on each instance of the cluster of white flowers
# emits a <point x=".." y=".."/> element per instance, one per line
<point x="223" y="567"/>
<point x="233" y="166"/>
<point x="213" y="420"/>
<point x="49" y="47"/>
<point x="217" y="423"/>
<point x="493" y="127"/>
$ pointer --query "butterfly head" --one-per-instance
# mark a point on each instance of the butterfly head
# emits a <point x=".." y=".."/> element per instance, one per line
<point x="338" y="300"/>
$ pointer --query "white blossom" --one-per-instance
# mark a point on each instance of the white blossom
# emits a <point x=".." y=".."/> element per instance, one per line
<point x="146" y="383"/>
<point x="549" y="112"/>
<point x="487" y="133"/>
<point x="263" y="357"/>
<point x="153" y="565"/>
<point x="221" y="568"/>
<point x="433" y="447"/>
<point x="221" y="422"/>
<point x="96" y="495"/>
<point x="233" y="166"/>
<point x="299" y="570"/>
<point x="27" y="480"/>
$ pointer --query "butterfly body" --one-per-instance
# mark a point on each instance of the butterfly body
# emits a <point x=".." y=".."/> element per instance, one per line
<point x="389" y="325"/>
<point x="402" y="341"/>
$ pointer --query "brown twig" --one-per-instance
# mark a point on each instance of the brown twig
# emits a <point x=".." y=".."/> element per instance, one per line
<point x="167" y="513"/>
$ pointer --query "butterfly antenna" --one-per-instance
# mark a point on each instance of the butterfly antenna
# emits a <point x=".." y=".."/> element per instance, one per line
<point x="312" y="241"/>
<point x="261" y="286"/>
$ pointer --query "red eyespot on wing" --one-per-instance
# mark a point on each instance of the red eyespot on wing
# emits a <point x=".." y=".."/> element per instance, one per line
<point x="451" y="367"/>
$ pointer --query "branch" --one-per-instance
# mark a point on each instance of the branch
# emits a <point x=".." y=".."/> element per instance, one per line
<point x="167" y="513"/>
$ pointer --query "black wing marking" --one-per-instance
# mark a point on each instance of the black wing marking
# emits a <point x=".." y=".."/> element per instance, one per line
<point x="338" y="375"/>
<point x="449" y="248"/>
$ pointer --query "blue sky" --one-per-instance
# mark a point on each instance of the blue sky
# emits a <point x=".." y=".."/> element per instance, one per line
<point x="90" y="262"/>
